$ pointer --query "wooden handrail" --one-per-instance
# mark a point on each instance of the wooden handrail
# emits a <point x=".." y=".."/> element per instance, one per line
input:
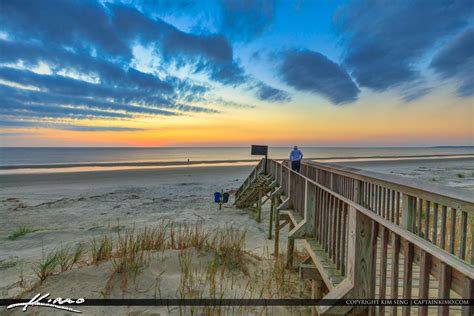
<point x="449" y="259"/>
<point x="441" y="194"/>
<point x="352" y="235"/>
<point x="443" y="216"/>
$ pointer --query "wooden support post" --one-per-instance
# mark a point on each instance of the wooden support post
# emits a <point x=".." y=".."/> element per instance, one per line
<point x="444" y="287"/>
<point x="424" y="286"/>
<point x="259" y="207"/>
<point x="310" y="209"/>
<point x="359" y="257"/>
<point x="309" y="271"/>
<point x="270" y="222"/>
<point x="408" y="252"/>
<point x="468" y="293"/>
<point x="276" y="248"/>
<point x="383" y="268"/>
<point x="395" y="268"/>
<point x="358" y="191"/>
<point x="290" y="248"/>
<point x="315" y="294"/>
<point x="408" y="212"/>
<point x="373" y="264"/>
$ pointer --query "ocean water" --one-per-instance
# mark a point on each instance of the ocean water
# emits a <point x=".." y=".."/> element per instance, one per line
<point x="12" y="158"/>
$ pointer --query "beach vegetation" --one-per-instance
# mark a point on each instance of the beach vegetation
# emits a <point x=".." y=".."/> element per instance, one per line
<point x="228" y="245"/>
<point x="224" y="268"/>
<point x="68" y="258"/>
<point x="46" y="266"/>
<point x="20" y="231"/>
<point x="8" y="263"/>
<point x="101" y="249"/>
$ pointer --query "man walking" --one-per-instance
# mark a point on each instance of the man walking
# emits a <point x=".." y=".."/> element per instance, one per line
<point x="295" y="156"/>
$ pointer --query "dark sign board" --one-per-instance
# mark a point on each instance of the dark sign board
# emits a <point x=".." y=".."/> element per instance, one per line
<point x="259" y="150"/>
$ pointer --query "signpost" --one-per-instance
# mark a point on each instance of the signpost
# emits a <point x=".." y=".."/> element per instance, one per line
<point x="260" y="150"/>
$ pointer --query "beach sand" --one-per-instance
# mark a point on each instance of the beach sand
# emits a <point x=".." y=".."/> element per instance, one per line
<point x="64" y="209"/>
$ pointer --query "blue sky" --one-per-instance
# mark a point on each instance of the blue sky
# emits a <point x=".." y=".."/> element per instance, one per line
<point x="138" y="66"/>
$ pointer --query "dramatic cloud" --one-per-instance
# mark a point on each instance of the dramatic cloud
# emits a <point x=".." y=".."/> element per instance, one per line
<point x="313" y="72"/>
<point x="267" y="93"/>
<point x="456" y="60"/>
<point x="118" y="27"/>
<point x="86" y="47"/>
<point x="71" y="127"/>
<point x="232" y="104"/>
<point x="246" y="19"/>
<point x="239" y="20"/>
<point x="386" y="39"/>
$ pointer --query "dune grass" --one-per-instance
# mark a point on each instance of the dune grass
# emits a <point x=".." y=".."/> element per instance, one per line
<point x="228" y="271"/>
<point x="6" y="264"/>
<point x="20" y="231"/>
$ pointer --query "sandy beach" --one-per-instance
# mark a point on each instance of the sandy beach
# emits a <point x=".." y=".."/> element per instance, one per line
<point x="451" y="172"/>
<point x="65" y="209"/>
<point x="62" y="210"/>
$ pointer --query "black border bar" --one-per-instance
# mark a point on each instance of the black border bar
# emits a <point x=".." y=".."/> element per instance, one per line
<point x="260" y="302"/>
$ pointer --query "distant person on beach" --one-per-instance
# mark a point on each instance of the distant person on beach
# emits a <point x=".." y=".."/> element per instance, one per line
<point x="295" y="156"/>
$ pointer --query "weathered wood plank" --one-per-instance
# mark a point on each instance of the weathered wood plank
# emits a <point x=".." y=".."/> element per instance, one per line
<point x="419" y="216"/>
<point x="383" y="267"/>
<point x="342" y="266"/>
<point x="468" y="293"/>
<point x="444" y="212"/>
<point x="427" y="221"/>
<point x="408" y="212"/>
<point x="444" y="287"/>
<point x="452" y="233"/>
<point x="425" y="266"/>
<point x="434" y="237"/>
<point x="463" y="236"/>
<point x="373" y="263"/>
<point x="362" y="261"/>
<point x="407" y="274"/>
<point x="395" y="266"/>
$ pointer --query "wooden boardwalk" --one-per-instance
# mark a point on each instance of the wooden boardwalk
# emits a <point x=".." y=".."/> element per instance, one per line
<point x="370" y="236"/>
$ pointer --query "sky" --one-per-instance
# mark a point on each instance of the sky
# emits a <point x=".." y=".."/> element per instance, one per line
<point x="235" y="72"/>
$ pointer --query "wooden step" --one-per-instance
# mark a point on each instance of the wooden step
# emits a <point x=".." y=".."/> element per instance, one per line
<point x="331" y="276"/>
<point x="294" y="217"/>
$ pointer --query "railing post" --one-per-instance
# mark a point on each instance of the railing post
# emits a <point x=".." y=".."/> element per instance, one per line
<point x="288" y="184"/>
<point x="270" y="222"/>
<point x="359" y="258"/>
<point x="259" y="207"/>
<point x="309" y="209"/>
<point x="290" y="248"/>
<point x="358" y="191"/>
<point x="408" y="212"/>
<point x="276" y="247"/>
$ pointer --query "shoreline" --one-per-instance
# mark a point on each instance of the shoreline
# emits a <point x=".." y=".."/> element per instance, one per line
<point x="110" y="166"/>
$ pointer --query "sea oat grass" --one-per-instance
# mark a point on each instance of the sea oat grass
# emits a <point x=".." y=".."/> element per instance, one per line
<point x="101" y="249"/>
<point x="19" y="232"/>
<point x="46" y="266"/>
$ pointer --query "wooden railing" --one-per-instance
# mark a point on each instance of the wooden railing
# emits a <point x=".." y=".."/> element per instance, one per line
<point x="437" y="214"/>
<point x="253" y="175"/>
<point x="371" y="235"/>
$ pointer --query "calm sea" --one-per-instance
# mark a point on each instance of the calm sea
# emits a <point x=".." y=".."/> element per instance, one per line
<point x="13" y="158"/>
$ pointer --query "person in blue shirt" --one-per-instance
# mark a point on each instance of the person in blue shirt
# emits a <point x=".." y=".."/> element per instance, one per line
<point x="295" y="157"/>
